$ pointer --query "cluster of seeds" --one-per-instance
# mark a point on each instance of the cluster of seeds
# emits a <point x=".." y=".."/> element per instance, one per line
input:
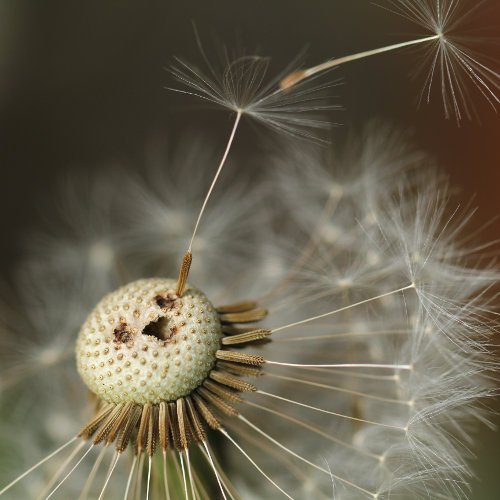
<point x="158" y="365"/>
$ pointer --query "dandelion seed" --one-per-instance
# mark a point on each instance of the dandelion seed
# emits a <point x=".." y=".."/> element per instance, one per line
<point x="296" y="77"/>
<point x="242" y="87"/>
<point x="447" y="59"/>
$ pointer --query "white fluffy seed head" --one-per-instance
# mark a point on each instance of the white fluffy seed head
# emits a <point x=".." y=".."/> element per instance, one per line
<point x="145" y="344"/>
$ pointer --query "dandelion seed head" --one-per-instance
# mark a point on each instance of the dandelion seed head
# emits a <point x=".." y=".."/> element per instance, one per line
<point x="346" y="350"/>
<point x="380" y="330"/>
<point x="145" y="344"/>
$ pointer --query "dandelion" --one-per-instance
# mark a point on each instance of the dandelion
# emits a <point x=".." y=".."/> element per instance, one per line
<point x="368" y="355"/>
<point x="336" y="347"/>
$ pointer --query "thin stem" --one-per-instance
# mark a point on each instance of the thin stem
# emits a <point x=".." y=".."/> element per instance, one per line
<point x="60" y="470"/>
<point x="296" y="77"/>
<point x="350" y="335"/>
<point x="184" y="477"/>
<point x="108" y="477"/>
<point x="165" y="476"/>
<point x="338" y="389"/>
<point x="190" y="473"/>
<point x="129" y="480"/>
<point x="92" y="474"/>
<point x="41" y="462"/>
<point x="344" y="365"/>
<point x="70" y="472"/>
<point x="296" y="455"/>
<point x="387" y="378"/>
<point x="226" y="482"/>
<point x="321" y="410"/>
<point x="281" y="461"/>
<point x="223" y="161"/>
<point x="138" y="477"/>
<point x="245" y="454"/>
<point x="336" y="311"/>
<point x="149" y="478"/>
<point x="313" y="429"/>
<point x="209" y="458"/>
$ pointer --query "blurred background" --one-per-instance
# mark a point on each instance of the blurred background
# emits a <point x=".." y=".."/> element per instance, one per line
<point x="82" y="85"/>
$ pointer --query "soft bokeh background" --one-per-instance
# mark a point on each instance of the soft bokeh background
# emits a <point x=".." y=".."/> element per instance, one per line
<point x="82" y="84"/>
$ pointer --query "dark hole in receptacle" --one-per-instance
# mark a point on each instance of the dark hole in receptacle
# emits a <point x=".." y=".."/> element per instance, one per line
<point x="159" y="329"/>
<point x="121" y="334"/>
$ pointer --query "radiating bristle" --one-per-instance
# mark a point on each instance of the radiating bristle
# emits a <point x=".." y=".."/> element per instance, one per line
<point x="142" y="431"/>
<point x="120" y="422"/>
<point x="217" y="402"/>
<point x="153" y="430"/>
<point x="246" y="305"/>
<point x="196" y="423"/>
<point x="108" y="424"/>
<point x="164" y="426"/>
<point x="241" y="357"/>
<point x="233" y="382"/>
<point x="223" y="391"/>
<point x="182" y="424"/>
<point x="206" y="412"/>
<point x="129" y="427"/>
<point x="249" y="316"/>
<point x="239" y="369"/>
<point x="243" y="338"/>
<point x="89" y="429"/>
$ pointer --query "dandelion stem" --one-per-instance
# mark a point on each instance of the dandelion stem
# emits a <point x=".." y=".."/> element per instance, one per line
<point x="165" y="476"/>
<point x="190" y="473"/>
<point x="344" y="365"/>
<point x="296" y="77"/>
<point x="70" y="472"/>
<point x="138" y="476"/>
<point x="321" y="410"/>
<point x="283" y="447"/>
<point x="226" y="482"/>
<point x="337" y="389"/>
<point x="313" y="429"/>
<point x="149" y="478"/>
<point x="60" y="470"/>
<point x="116" y="456"/>
<point x="184" y="477"/>
<point x="90" y="479"/>
<point x="129" y="480"/>
<point x="219" y="169"/>
<point x="313" y="318"/>
<point x="245" y="454"/>
<point x="41" y="462"/>
<point x="209" y="458"/>
<point x="350" y="335"/>
<point x="384" y="378"/>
